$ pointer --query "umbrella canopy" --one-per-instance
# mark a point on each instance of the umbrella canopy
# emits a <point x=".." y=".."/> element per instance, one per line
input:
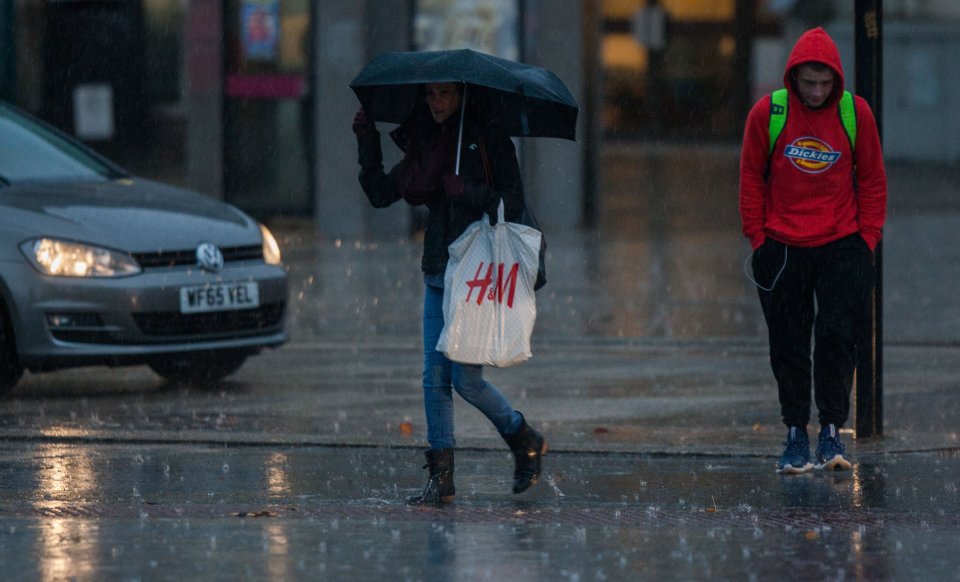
<point x="525" y="101"/>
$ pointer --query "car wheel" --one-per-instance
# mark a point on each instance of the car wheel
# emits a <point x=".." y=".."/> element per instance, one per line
<point x="10" y="368"/>
<point x="207" y="368"/>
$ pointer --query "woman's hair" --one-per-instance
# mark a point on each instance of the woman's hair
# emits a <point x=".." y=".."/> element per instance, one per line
<point x="422" y="88"/>
<point x="478" y="102"/>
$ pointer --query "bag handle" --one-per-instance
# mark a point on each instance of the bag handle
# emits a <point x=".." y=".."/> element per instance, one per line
<point x="486" y="164"/>
<point x="526" y="218"/>
<point x="486" y="178"/>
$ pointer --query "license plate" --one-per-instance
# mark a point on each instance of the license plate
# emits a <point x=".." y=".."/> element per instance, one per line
<point x="205" y="298"/>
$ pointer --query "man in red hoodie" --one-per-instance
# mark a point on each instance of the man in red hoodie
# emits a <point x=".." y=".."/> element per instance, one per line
<point x="813" y="204"/>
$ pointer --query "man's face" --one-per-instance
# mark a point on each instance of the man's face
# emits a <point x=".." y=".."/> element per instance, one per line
<point x="814" y="86"/>
<point x="443" y="99"/>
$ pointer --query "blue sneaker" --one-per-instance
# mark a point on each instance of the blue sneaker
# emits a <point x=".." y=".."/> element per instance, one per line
<point x="830" y="450"/>
<point x="796" y="456"/>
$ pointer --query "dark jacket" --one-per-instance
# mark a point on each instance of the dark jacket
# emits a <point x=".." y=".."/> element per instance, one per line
<point x="447" y="218"/>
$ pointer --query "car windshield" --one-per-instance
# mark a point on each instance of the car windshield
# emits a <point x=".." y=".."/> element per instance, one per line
<point x="32" y="151"/>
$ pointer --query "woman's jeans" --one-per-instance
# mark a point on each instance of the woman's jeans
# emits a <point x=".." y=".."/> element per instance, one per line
<point x="441" y="377"/>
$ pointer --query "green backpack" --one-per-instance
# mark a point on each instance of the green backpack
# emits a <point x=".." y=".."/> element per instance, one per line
<point x="778" y="116"/>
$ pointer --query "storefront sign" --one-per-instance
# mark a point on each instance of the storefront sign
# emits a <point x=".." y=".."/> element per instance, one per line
<point x="260" y="29"/>
<point x="487" y="26"/>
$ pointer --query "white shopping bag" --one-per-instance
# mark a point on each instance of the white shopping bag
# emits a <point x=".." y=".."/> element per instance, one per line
<point x="489" y="306"/>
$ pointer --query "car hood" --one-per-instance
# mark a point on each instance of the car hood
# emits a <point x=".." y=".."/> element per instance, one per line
<point x="133" y="215"/>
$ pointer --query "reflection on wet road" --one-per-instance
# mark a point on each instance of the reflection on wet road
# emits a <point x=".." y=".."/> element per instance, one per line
<point x="665" y="261"/>
<point x="193" y="511"/>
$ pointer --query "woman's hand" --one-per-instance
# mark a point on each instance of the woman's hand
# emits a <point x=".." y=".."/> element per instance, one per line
<point x="453" y="186"/>
<point x="362" y="125"/>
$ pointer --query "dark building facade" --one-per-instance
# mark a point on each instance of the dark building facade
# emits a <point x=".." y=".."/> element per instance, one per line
<point x="247" y="100"/>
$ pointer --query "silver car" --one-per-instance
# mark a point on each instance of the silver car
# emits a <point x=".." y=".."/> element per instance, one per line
<point x="101" y="268"/>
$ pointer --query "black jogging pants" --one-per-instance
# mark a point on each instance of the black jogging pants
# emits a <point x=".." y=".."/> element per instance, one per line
<point x="821" y="293"/>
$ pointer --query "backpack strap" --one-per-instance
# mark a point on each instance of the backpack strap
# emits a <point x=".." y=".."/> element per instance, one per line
<point x="778" y="116"/>
<point x="848" y="117"/>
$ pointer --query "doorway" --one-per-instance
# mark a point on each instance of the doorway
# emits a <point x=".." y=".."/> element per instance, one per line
<point x="268" y="113"/>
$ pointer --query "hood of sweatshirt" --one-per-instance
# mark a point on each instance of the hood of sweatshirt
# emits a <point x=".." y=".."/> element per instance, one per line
<point x="815" y="45"/>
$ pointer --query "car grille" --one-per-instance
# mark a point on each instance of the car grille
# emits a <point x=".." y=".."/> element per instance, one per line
<point x="166" y="259"/>
<point x="165" y="326"/>
<point x="84" y="336"/>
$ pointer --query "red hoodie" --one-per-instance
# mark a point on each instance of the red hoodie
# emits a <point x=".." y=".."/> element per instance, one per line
<point x="810" y="201"/>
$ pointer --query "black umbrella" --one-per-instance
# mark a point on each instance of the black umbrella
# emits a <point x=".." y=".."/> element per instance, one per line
<point x="525" y="101"/>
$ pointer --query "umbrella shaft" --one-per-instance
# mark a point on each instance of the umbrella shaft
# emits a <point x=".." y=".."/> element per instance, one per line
<point x="463" y="109"/>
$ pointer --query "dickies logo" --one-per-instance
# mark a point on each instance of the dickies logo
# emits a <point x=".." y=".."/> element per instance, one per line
<point x="811" y="155"/>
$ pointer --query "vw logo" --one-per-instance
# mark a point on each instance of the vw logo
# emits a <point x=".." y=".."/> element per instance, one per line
<point x="209" y="257"/>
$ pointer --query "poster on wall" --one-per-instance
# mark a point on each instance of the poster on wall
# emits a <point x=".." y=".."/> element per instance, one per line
<point x="260" y="29"/>
<point x="487" y="26"/>
<point x="93" y="111"/>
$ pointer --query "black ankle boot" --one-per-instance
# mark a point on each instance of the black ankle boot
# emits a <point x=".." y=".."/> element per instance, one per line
<point x="528" y="447"/>
<point x="439" y="488"/>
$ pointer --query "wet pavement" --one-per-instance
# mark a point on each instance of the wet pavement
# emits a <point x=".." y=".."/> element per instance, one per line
<point x="211" y="512"/>
<point x="649" y="378"/>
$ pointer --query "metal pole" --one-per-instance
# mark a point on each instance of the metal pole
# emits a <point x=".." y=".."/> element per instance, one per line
<point x="745" y="24"/>
<point x="869" y="72"/>
<point x="8" y="65"/>
<point x="590" y="113"/>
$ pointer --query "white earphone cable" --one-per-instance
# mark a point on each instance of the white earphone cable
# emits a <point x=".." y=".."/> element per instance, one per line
<point x="746" y="271"/>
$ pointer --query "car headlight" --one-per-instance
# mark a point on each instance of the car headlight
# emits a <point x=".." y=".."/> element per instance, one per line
<point x="271" y="250"/>
<point x="60" y="258"/>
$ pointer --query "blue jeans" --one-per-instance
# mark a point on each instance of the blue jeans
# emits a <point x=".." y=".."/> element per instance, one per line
<point x="441" y="377"/>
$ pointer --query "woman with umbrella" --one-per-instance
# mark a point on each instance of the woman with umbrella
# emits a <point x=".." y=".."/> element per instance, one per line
<point x="458" y="185"/>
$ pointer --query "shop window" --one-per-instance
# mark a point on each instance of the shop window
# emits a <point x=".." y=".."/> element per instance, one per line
<point x="669" y="69"/>
<point x="268" y="134"/>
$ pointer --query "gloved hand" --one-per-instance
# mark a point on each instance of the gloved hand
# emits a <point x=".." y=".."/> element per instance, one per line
<point x="453" y="186"/>
<point x="362" y="125"/>
<point x="414" y="198"/>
